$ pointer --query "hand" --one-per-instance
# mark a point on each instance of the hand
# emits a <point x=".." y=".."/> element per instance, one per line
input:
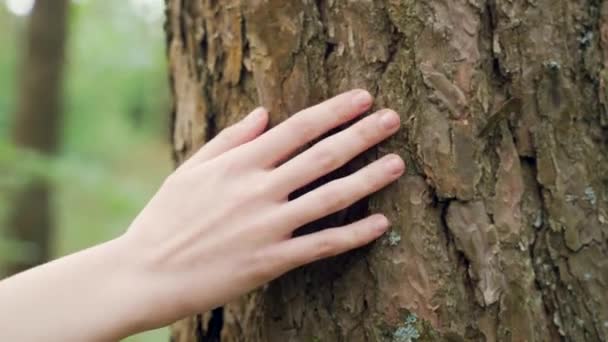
<point x="221" y="225"/>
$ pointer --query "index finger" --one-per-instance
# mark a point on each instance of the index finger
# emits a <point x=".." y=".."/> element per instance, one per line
<point x="284" y="139"/>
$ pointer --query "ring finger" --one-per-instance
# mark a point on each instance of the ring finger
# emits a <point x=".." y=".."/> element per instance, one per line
<point x="343" y="192"/>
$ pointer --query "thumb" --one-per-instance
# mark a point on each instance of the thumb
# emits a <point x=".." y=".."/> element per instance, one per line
<point x="241" y="132"/>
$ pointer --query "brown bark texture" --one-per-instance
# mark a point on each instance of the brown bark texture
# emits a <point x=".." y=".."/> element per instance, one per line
<point x="500" y="227"/>
<point x="36" y="124"/>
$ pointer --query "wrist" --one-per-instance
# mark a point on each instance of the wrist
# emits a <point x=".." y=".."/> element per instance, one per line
<point x="149" y="287"/>
<point x="101" y="293"/>
<point x="129" y="286"/>
<point x="123" y="288"/>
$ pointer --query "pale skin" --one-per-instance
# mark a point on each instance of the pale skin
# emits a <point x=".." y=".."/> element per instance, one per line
<point x="220" y="226"/>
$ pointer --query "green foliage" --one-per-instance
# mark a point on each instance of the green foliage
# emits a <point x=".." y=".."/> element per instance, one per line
<point x="115" y="149"/>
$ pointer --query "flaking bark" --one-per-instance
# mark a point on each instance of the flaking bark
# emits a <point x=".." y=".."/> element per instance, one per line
<point x="500" y="226"/>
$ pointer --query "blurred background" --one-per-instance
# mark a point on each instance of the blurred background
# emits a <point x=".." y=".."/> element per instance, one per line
<point x="84" y="139"/>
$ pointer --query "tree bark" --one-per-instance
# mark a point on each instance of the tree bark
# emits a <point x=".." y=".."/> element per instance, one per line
<point x="500" y="227"/>
<point x="37" y="123"/>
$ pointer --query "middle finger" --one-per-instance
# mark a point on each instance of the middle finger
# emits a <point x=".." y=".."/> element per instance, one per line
<point x="334" y="151"/>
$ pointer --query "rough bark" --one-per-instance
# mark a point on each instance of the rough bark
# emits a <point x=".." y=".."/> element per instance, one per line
<point x="36" y="124"/>
<point x="500" y="227"/>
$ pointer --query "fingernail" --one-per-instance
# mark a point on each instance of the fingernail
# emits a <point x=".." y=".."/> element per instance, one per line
<point x="255" y="115"/>
<point x="395" y="165"/>
<point x="389" y="119"/>
<point x="362" y="98"/>
<point x="381" y="223"/>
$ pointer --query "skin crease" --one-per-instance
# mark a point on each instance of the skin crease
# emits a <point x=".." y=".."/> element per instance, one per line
<point x="219" y="227"/>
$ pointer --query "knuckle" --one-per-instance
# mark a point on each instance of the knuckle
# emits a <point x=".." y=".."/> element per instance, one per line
<point x="325" y="198"/>
<point x="261" y="188"/>
<point x="324" y="248"/>
<point x="326" y="159"/>
<point x="370" y="182"/>
<point x="227" y="135"/>
<point x="264" y="266"/>
<point x="364" y="133"/>
<point x="334" y="199"/>
<point x="303" y="130"/>
<point x="367" y="188"/>
<point x="342" y="115"/>
<point x="356" y="237"/>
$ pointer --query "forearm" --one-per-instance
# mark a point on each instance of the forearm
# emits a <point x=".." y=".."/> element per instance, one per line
<point x="221" y="225"/>
<point x="94" y="295"/>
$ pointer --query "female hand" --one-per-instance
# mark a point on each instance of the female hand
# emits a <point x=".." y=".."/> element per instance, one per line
<point x="221" y="225"/>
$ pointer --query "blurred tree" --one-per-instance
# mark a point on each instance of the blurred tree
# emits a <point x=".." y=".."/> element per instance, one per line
<point x="36" y="124"/>
<point x="500" y="226"/>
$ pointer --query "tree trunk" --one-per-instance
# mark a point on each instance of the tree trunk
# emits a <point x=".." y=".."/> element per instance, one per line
<point x="500" y="227"/>
<point x="37" y="122"/>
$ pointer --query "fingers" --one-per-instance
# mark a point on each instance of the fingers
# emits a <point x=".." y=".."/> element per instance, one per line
<point x="306" y="125"/>
<point x="305" y="249"/>
<point x="335" y="151"/>
<point x="343" y="192"/>
<point x="241" y="132"/>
